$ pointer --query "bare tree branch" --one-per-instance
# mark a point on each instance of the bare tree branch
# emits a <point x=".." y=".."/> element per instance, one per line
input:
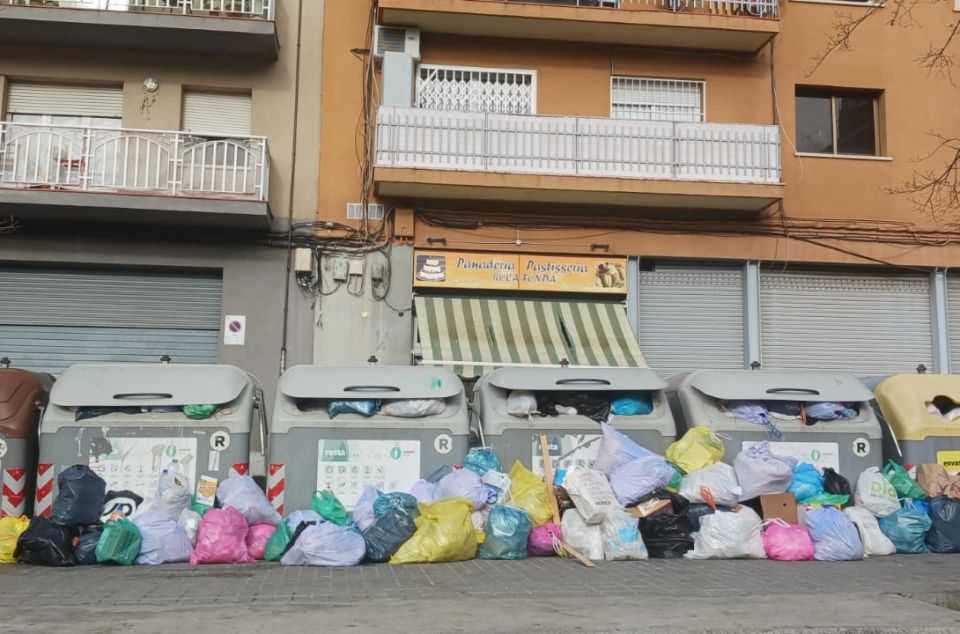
<point x="935" y="193"/>
<point x="938" y="58"/>
<point x="838" y="39"/>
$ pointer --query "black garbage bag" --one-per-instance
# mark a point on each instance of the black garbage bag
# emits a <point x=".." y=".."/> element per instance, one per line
<point x="80" y="498"/>
<point x="835" y="483"/>
<point x="45" y="544"/>
<point x="696" y="512"/>
<point x="944" y="534"/>
<point x="586" y="404"/>
<point x="387" y="534"/>
<point x="123" y="502"/>
<point x="667" y="532"/>
<point x="85" y="552"/>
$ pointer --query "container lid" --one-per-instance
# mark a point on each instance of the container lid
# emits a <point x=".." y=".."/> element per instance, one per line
<point x="19" y="390"/>
<point x="903" y="399"/>
<point x="763" y="385"/>
<point x="576" y="379"/>
<point x="119" y="384"/>
<point x="374" y="382"/>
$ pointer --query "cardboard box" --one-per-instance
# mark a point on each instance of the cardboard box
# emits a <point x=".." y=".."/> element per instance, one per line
<point x="780" y="505"/>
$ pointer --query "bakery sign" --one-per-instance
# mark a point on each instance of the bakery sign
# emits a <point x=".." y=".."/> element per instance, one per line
<point x="520" y="272"/>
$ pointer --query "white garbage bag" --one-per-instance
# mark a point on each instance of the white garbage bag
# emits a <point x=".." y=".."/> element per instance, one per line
<point x="621" y="537"/>
<point x="874" y="541"/>
<point x="875" y="493"/>
<point x="729" y="535"/>
<point x="591" y="494"/>
<point x="762" y="472"/>
<point x="521" y="403"/>
<point x="162" y="540"/>
<point x="243" y="494"/>
<point x="189" y="522"/>
<point x="582" y="537"/>
<point x="720" y="479"/>
<point x="303" y="516"/>
<point x="362" y="514"/>
<point x="639" y="478"/>
<point x="617" y="450"/>
<point x="424" y="491"/>
<point x="326" y="545"/>
<point x="173" y="495"/>
<point x="462" y="483"/>
<point x="413" y="407"/>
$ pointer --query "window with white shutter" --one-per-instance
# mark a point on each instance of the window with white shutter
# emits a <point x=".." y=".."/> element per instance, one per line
<point x="649" y="99"/>
<point x="63" y="100"/>
<point x="216" y="114"/>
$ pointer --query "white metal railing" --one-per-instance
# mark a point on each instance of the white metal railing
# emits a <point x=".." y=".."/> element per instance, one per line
<point x="62" y="157"/>
<point x="721" y="152"/>
<point x="263" y="9"/>
<point x="755" y="8"/>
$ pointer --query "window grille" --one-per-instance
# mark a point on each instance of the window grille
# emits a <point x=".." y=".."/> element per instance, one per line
<point x="465" y="89"/>
<point x="648" y="99"/>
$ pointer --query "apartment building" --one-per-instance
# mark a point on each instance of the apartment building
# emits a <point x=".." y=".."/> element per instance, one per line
<point x="565" y="175"/>
<point x="149" y="149"/>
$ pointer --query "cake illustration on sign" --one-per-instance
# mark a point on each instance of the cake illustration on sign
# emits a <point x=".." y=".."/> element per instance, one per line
<point x="431" y="268"/>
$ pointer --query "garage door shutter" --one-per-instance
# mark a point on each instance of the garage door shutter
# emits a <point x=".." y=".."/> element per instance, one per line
<point x="953" y="312"/>
<point x="861" y="322"/>
<point x="50" y="319"/>
<point x="691" y="317"/>
<point x="215" y="113"/>
<point x="59" y="99"/>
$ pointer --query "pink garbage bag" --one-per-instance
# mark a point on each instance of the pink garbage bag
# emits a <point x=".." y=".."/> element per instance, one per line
<point x="541" y="540"/>
<point x="787" y="542"/>
<point x="221" y="538"/>
<point x="257" y="538"/>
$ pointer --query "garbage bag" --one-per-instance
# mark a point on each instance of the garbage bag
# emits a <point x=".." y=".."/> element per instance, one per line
<point x="698" y="448"/>
<point x="173" y="494"/>
<point x="719" y="479"/>
<point x="528" y="492"/>
<point x="257" y="538"/>
<point x="591" y="494"/>
<point x="444" y="533"/>
<point x="425" y="491"/>
<point x="584" y="538"/>
<point x="639" y="478"/>
<point x="388" y="533"/>
<point x="305" y="516"/>
<point x="482" y="460"/>
<point x="585" y="403"/>
<point x="46" y="544"/>
<point x="907" y="529"/>
<point x="201" y="411"/>
<point x="875" y="493"/>
<point x="397" y="500"/>
<point x="363" y="407"/>
<point x="807" y="482"/>
<point x="696" y="512"/>
<point x="330" y="508"/>
<point x="787" y="542"/>
<point x="326" y="544"/>
<point x="544" y="540"/>
<point x="762" y="472"/>
<point x="521" y="403"/>
<point x="616" y="450"/>
<point x="905" y="485"/>
<point x="85" y="550"/>
<point x="120" y="542"/>
<point x="162" y="540"/>
<point x="244" y="494"/>
<point x="828" y="499"/>
<point x="640" y="404"/>
<point x="80" y="497"/>
<point x="221" y="538"/>
<point x="506" y="534"/>
<point x="10" y="530"/>
<point x="621" y="537"/>
<point x="363" y="515"/>
<point x="189" y="522"/>
<point x="875" y="543"/>
<point x="834" y="536"/>
<point x="935" y="480"/>
<point x="463" y="483"/>
<point x="125" y="503"/>
<point x="729" y="536"/>
<point x="413" y="407"/>
<point x="835" y="483"/>
<point x="667" y="532"/>
<point x="278" y="543"/>
<point x="944" y="533"/>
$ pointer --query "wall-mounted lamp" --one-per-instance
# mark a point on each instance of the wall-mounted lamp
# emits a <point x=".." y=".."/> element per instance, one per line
<point x="150" y="84"/>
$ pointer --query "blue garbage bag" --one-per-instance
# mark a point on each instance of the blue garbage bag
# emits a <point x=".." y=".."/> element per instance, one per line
<point x="907" y="529"/>
<point x="362" y="407"/>
<point x="507" y="532"/>
<point x="397" y="500"/>
<point x="634" y="405"/>
<point x="482" y="460"/>
<point x="944" y="533"/>
<point x="835" y="537"/>
<point x="388" y="533"/>
<point x="807" y="481"/>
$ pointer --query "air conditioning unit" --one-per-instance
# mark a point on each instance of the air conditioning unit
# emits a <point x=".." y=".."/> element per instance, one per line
<point x="396" y="39"/>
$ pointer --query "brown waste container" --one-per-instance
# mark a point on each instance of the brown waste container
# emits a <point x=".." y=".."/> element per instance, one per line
<point x="23" y="395"/>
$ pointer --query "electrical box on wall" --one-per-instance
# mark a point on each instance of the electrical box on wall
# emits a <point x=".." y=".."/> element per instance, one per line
<point x="403" y="222"/>
<point x="356" y="267"/>
<point x="302" y="261"/>
<point x="340" y="268"/>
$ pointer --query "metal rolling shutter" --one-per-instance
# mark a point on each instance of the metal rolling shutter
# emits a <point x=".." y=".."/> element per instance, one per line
<point x="691" y="317"/>
<point x="953" y="314"/>
<point x="60" y="99"/>
<point x="861" y="322"/>
<point x="216" y="114"/>
<point x="50" y="319"/>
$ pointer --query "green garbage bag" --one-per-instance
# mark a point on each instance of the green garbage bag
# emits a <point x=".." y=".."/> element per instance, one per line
<point x="330" y="508"/>
<point x="828" y="499"/>
<point x="677" y="478"/>
<point x="278" y="542"/>
<point x="119" y="543"/>
<point x="200" y="412"/>
<point x="905" y="485"/>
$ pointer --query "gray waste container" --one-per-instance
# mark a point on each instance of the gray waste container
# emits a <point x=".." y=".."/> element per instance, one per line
<point x="23" y="395"/>
<point x="922" y="413"/>
<point x="311" y="451"/>
<point x="847" y="445"/>
<point x="126" y="422"/>
<point x="573" y="439"/>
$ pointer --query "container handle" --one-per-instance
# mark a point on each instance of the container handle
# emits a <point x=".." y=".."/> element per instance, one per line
<point x="583" y="381"/>
<point x="143" y="395"/>
<point x="371" y="388"/>
<point x="798" y="390"/>
<point x="262" y="415"/>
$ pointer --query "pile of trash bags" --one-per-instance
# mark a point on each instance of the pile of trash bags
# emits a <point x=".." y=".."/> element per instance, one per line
<point x="401" y="408"/>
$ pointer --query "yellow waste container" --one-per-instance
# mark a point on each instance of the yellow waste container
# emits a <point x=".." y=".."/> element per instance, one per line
<point x="922" y="412"/>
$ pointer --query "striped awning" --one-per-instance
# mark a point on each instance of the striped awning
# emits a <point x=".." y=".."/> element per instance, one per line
<point x="477" y="335"/>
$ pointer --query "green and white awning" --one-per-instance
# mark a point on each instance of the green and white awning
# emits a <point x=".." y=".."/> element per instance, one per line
<point x="477" y="335"/>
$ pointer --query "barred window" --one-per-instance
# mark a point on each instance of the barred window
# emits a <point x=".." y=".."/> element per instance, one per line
<point x="466" y="89"/>
<point x="649" y="99"/>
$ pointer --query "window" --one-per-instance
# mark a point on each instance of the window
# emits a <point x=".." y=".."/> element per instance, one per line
<point x="837" y="122"/>
<point x="648" y="99"/>
<point x="467" y="89"/>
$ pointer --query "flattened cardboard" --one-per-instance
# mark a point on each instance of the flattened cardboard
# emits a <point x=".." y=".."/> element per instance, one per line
<point x="780" y="505"/>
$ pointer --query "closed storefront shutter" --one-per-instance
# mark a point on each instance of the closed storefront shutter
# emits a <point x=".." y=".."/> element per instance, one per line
<point x="953" y="312"/>
<point x="861" y="322"/>
<point x="60" y="99"/>
<point x="216" y="114"/>
<point x="53" y="318"/>
<point x="691" y="317"/>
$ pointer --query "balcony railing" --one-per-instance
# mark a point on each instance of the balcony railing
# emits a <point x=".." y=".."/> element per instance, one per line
<point x="70" y="158"/>
<point x="575" y="146"/>
<point x="260" y="9"/>
<point x="754" y="8"/>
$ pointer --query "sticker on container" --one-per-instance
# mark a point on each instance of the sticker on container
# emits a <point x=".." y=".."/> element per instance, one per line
<point x="819" y="454"/>
<point x="234" y="330"/>
<point x="219" y="440"/>
<point x="949" y="460"/>
<point x="3" y="447"/>
<point x="566" y="451"/>
<point x="443" y="443"/>
<point x="347" y="466"/>
<point x="861" y="447"/>
<point x="213" y="461"/>
<point x="135" y="464"/>
<point x="206" y="490"/>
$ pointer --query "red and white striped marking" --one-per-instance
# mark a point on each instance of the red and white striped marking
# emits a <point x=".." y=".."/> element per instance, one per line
<point x="276" y="485"/>
<point x="13" y="498"/>
<point x="239" y="469"/>
<point x="44" y="499"/>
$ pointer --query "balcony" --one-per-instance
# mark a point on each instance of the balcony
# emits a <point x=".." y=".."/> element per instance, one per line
<point x="228" y="28"/>
<point x="741" y="26"/>
<point x="571" y="160"/>
<point x="81" y="174"/>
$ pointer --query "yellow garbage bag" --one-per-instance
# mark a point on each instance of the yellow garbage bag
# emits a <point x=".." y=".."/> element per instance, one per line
<point x="444" y="533"/>
<point x="528" y="492"/>
<point x="698" y="448"/>
<point x="10" y="529"/>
